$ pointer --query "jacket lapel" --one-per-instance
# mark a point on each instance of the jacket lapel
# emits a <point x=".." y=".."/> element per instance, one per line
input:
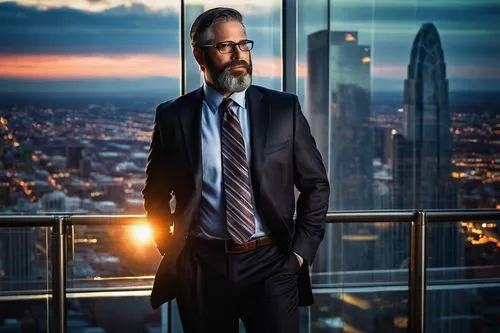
<point x="259" y="120"/>
<point x="190" y="119"/>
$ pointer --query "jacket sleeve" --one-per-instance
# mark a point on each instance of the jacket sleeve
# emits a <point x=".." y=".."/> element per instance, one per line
<point x="311" y="180"/>
<point x="158" y="187"/>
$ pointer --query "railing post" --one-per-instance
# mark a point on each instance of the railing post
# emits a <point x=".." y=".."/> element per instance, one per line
<point x="59" y="274"/>
<point x="417" y="273"/>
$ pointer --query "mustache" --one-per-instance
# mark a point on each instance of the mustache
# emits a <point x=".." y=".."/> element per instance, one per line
<point x="238" y="63"/>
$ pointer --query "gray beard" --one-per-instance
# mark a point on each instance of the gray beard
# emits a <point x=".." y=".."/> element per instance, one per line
<point x="225" y="81"/>
<point x="228" y="82"/>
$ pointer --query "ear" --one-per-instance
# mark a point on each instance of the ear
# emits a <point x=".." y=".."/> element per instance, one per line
<point x="200" y="59"/>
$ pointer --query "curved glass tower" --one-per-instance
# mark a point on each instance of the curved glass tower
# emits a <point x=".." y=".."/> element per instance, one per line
<point x="423" y="153"/>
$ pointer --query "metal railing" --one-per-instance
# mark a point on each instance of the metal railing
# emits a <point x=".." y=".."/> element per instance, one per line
<point x="418" y="221"/>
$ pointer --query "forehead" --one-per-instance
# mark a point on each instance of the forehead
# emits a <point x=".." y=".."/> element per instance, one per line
<point x="228" y="31"/>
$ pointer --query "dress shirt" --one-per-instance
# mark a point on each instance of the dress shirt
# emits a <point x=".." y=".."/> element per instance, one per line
<point x="211" y="223"/>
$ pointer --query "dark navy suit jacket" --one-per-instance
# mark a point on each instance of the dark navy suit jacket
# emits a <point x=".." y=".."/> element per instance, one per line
<point x="284" y="156"/>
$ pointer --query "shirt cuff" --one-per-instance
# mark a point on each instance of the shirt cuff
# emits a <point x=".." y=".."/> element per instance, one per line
<point x="299" y="258"/>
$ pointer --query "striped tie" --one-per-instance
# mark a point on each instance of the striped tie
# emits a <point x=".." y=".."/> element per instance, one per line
<point x="239" y="208"/>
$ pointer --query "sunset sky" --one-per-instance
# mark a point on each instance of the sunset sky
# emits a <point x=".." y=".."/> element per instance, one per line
<point x="49" y="42"/>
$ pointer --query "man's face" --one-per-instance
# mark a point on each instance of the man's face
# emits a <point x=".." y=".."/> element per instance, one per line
<point x="229" y="72"/>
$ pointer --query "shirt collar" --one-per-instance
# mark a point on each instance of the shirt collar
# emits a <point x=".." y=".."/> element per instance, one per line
<point x="214" y="98"/>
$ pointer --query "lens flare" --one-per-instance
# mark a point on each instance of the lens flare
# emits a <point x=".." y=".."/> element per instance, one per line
<point x="142" y="234"/>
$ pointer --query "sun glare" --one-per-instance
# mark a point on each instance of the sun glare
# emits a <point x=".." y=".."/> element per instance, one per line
<point x="142" y="234"/>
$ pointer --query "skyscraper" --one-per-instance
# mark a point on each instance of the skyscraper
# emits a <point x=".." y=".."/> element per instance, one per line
<point x="428" y="180"/>
<point x="338" y="109"/>
<point x="73" y="155"/>
<point x="422" y="174"/>
<point x="194" y="77"/>
<point x="422" y="159"/>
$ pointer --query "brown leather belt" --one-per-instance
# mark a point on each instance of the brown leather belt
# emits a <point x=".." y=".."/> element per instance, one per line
<point x="253" y="244"/>
<point x="229" y="246"/>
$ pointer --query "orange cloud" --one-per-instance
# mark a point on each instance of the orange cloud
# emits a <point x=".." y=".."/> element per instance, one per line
<point x="83" y="66"/>
<point x="390" y="72"/>
<point x="272" y="67"/>
<point x="88" y="66"/>
<point x="57" y="67"/>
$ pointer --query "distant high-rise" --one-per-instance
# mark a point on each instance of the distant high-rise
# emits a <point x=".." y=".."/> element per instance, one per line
<point x="85" y="167"/>
<point x="194" y="77"/>
<point x="338" y="108"/>
<point x="4" y="194"/>
<point x="73" y="156"/>
<point x="426" y="181"/>
<point x="338" y="91"/>
<point x="422" y="174"/>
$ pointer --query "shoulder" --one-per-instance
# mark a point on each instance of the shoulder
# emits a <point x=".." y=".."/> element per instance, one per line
<point x="274" y="94"/>
<point x="177" y="104"/>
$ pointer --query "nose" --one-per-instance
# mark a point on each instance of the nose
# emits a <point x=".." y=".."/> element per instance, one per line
<point x="237" y="53"/>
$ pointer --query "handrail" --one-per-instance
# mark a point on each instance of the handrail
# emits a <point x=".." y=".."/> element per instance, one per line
<point x="25" y="221"/>
<point x="418" y="221"/>
<point x="106" y="219"/>
<point x="433" y="216"/>
<point x="364" y="216"/>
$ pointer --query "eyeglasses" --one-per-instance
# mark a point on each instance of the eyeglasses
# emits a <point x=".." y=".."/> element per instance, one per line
<point x="228" y="47"/>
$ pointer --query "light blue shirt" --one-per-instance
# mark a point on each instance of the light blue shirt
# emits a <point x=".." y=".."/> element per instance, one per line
<point x="212" y="218"/>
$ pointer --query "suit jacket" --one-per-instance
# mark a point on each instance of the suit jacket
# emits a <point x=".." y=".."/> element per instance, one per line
<point x="284" y="156"/>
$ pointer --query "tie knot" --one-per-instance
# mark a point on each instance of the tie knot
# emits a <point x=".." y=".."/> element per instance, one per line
<point x="226" y="104"/>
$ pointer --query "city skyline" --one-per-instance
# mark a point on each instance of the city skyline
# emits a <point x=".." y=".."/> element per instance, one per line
<point x="77" y="106"/>
<point x="48" y="46"/>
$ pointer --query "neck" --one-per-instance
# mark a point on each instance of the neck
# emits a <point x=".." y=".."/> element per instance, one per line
<point x="220" y="91"/>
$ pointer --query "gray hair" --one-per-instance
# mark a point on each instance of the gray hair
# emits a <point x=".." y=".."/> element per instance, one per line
<point x="201" y="32"/>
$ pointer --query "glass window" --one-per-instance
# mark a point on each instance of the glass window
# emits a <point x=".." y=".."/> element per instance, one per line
<point x="79" y="82"/>
<point x="402" y="100"/>
<point x="262" y="20"/>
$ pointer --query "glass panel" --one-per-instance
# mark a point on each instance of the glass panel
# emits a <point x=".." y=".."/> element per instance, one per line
<point x="404" y="114"/>
<point x="363" y="253"/>
<point x="360" y="276"/>
<point x="463" y="276"/>
<point x="23" y="259"/>
<point x="24" y="280"/>
<point x="262" y="20"/>
<point x="24" y="316"/>
<point x="78" y="86"/>
<point x="108" y="257"/>
<point x="470" y="147"/>
<point x="357" y="310"/>
<point x="134" y="313"/>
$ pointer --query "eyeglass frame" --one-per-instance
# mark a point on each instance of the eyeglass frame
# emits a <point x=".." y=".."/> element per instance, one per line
<point x="232" y="44"/>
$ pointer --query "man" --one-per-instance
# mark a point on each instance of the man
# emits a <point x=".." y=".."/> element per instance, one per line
<point x="231" y="154"/>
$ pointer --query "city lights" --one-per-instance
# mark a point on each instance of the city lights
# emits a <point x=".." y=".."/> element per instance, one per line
<point x="399" y="126"/>
<point x="349" y="37"/>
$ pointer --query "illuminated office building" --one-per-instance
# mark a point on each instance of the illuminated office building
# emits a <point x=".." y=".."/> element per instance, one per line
<point x="428" y="128"/>
<point x="339" y="76"/>
<point x="422" y="173"/>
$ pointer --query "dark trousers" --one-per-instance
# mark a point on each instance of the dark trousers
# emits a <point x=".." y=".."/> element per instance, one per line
<point x="216" y="289"/>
